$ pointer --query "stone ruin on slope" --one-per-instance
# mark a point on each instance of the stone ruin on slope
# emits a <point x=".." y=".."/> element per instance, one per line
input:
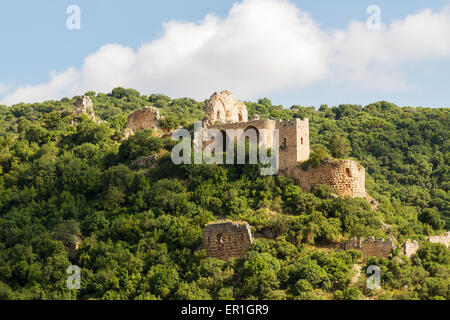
<point x="144" y="118"/>
<point x="410" y="247"/>
<point x="347" y="177"/>
<point x="371" y="247"/>
<point x="224" y="240"/>
<point x="224" y="108"/>
<point x="444" y="239"/>
<point x="84" y="105"/>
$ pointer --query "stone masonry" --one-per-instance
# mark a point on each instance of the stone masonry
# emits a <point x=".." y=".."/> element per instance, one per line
<point x="223" y="107"/>
<point x="224" y="240"/>
<point x="410" y="247"/>
<point x="144" y="118"/>
<point x="444" y="239"/>
<point x="345" y="176"/>
<point x="225" y="113"/>
<point x="84" y="105"/>
<point x="293" y="137"/>
<point x="371" y="247"/>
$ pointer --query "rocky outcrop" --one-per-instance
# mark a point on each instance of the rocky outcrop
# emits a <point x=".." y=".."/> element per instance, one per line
<point x="223" y="107"/>
<point x="144" y="118"/>
<point x="225" y="240"/>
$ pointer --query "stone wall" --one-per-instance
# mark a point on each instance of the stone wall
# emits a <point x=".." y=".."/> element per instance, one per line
<point x="371" y="247"/>
<point x="223" y="107"/>
<point x="144" y="118"/>
<point x="84" y="105"/>
<point x="256" y="125"/>
<point x="293" y="137"/>
<point x="444" y="239"/>
<point x="226" y="240"/>
<point x="145" y="161"/>
<point x="345" y="176"/>
<point x="410" y="247"/>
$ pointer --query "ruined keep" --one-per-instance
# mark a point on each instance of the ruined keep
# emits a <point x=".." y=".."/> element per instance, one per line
<point x="223" y="112"/>
<point x="224" y="240"/>
<point x="370" y="247"/>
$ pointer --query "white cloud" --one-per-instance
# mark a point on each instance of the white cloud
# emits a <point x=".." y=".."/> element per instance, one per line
<point x="373" y="58"/>
<point x="3" y="88"/>
<point x="261" y="47"/>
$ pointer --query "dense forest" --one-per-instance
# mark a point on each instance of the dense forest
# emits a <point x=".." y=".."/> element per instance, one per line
<point x="141" y="227"/>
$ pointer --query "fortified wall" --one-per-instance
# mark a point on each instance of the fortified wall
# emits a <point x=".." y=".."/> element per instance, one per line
<point x="444" y="239"/>
<point x="345" y="176"/>
<point x="370" y="246"/>
<point x="144" y="118"/>
<point x="226" y="240"/>
<point x="227" y="114"/>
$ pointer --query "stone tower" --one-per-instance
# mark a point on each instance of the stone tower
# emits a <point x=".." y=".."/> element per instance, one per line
<point x="223" y="240"/>
<point x="294" y="142"/>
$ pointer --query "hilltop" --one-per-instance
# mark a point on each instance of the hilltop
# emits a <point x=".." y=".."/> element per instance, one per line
<point x="70" y="194"/>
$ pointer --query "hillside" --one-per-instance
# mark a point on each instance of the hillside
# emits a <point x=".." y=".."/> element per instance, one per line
<point x="137" y="230"/>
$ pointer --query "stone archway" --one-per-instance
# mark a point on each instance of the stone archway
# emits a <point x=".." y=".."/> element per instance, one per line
<point x="224" y="140"/>
<point x="250" y="130"/>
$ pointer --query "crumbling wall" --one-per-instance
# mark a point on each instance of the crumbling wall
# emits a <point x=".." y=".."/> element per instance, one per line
<point x="444" y="239"/>
<point x="410" y="247"/>
<point x="226" y="240"/>
<point x="144" y="118"/>
<point x="256" y="125"/>
<point x="345" y="176"/>
<point x="223" y="107"/>
<point x="143" y="161"/>
<point x="371" y="247"/>
<point x="84" y="105"/>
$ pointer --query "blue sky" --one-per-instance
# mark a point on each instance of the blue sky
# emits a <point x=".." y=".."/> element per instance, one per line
<point x="37" y="46"/>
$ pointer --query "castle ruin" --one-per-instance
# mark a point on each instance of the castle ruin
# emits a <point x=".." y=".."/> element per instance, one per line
<point x="370" y="247"/>
<point x="346" y="177"/>
<point x="444" y="239"/>
<point x="144" y="118"/>
<point x="85" y="106"/>
<point x="224" y="113"/>
<point x="224" y="240"/>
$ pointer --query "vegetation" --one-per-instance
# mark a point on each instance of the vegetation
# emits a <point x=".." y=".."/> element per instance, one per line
<point x="141" y="227"/>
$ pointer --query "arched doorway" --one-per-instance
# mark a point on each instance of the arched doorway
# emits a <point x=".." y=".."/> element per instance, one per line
<point x="224" y="140"/>
<point x="251" y="134"/>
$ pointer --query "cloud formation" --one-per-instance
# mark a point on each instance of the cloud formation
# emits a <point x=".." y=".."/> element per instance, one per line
<point x="261" y="47"/>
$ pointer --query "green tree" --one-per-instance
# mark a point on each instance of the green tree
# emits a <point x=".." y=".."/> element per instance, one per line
<point x="339" y="146"/>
